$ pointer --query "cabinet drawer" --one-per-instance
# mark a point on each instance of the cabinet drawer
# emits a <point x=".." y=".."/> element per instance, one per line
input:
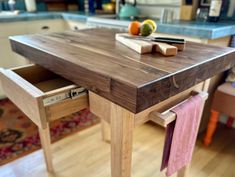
<point x="74" y="25"/>
<point x="12" y="29"/>
<point x="42" y="95"/>
<point x="42" y="26"/>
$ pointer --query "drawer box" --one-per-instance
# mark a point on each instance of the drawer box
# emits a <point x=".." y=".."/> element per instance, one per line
<point x="42" y="95"/>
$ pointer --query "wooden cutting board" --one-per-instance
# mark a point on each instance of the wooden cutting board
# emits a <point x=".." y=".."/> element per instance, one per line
<point x="143" y="47"/>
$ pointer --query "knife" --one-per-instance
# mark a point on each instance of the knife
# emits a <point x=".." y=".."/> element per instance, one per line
<point x="179" y="43"/>
<point x="159" y="39"/>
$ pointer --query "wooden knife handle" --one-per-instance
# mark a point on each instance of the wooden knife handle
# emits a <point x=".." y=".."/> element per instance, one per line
<point x="165" y="49"/>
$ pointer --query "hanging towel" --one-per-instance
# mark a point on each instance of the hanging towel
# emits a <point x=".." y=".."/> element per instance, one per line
<point x="233" y="84"/>
<point x="181" y="135"/>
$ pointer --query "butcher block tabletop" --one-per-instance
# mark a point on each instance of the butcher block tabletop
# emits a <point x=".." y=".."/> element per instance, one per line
<point x="93" y="59"/>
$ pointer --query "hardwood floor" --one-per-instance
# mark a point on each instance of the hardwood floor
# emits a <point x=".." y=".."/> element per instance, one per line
<point x="85" y="155"/>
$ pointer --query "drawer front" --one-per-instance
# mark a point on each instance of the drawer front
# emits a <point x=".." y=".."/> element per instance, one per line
<point x="42" y="99"/>
<point x="12" y="29"/>
<point x="72" y="25"/>
<point x="62" y="102"/>
<point x="42" y="26"/>
<point x="66" y="107"/>
<point x="26" y="97"/>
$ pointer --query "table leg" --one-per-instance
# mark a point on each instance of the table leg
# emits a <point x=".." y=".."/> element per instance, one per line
<point x="44" y="134"/>
<point x="105" y="130"/>
<point x="122" y="125"/>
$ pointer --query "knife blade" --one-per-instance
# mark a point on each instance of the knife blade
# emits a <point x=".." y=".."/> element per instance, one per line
<point x="159" y="39"/>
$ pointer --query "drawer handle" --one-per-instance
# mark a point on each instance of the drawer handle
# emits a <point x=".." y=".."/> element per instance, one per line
<point x="45" y="28"/>
<point x="168" y="116"/>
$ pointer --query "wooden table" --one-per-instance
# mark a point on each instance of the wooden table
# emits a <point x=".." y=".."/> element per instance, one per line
<point x="124" y="87"/>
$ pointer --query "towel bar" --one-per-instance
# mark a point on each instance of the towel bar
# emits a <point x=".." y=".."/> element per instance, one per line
<point x="168" y="116"/>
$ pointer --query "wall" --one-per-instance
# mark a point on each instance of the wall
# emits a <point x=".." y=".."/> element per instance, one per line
<point x="153" y="8"/>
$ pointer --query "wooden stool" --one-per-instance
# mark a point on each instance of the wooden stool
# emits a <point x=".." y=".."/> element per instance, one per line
<point x="44" y="97"/>
<point x="223" y="102"/>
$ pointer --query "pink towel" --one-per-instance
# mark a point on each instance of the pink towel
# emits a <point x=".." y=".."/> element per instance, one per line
<point x="181" y="135"/>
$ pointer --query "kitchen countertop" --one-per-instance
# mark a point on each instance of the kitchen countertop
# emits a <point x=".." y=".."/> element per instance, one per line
<point x="25" y="16"/>
<point x="199" y="29"/>
<point x="185" y="28"/>
<point x="204" y="30"/>
<point x="119" y="74"/>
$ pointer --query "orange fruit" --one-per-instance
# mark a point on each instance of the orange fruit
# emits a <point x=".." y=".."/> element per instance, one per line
<point x="134" y="28"/>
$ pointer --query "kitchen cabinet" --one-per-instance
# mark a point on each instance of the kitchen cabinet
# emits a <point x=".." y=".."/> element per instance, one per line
<point x="10" y="29"/>
<point x="42" y="26"/>
<point x="75" y="25"/>
<point x="7" y="57"/>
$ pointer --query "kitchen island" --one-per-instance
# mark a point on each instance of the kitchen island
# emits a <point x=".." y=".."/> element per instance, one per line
<point x="124" y="87"/>
<point x="201" y="32"/>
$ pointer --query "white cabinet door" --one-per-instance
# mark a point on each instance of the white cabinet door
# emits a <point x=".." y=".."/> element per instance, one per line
<point x="75" y="25"/>
<point x="12" y="28"/>
<point x="41" y="26"/>
<point x="8" y="58"/>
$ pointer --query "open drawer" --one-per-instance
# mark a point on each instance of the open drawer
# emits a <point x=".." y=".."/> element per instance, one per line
<point x="41" y="94"/>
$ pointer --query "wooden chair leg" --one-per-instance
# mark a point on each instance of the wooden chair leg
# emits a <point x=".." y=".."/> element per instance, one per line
<point x="105" y="130"/>
<point x="211" y="127"/>
<point x="229" y="122"/>
<point x="46" y="142"/>
<point x="122" y="125"/>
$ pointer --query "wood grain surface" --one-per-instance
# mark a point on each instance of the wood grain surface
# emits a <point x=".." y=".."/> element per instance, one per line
<point x="93" y="59"/>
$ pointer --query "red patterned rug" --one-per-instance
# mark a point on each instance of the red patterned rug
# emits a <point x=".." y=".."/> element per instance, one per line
<point x="19" y="135"/>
